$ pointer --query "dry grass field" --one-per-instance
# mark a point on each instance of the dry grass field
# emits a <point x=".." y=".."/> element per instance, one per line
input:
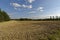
<point x="30" y="30"/>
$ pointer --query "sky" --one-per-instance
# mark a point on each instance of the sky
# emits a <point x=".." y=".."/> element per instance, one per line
<point x="31" y="8"/>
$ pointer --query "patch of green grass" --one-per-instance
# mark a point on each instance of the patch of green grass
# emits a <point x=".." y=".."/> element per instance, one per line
<point x="55" y="36"/>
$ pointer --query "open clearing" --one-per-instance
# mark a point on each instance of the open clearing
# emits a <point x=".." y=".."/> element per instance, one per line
<point x="30" y="30"/>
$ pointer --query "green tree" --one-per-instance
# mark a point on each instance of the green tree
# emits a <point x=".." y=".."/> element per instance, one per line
<point x="1" y="18"/>
<point x="4" y="16"/>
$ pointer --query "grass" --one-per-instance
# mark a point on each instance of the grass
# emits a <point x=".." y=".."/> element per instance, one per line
<point x="30" y="30"/>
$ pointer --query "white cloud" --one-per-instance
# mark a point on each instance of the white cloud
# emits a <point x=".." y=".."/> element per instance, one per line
<point x="40" y="9"/>
<point x="30" y="1"/>
<point x="16" y="4"/>
<point x="30" y="6"/>
<point x="27" y="6"/>
<point x="24" y="6"/>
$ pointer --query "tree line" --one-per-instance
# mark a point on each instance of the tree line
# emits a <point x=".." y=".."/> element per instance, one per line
<point x="51" y="18"/>
<point x="4" y="16"/>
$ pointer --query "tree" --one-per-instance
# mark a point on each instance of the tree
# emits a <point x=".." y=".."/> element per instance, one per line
<point x="4" y="16"/>
<point x="1" y="18"/>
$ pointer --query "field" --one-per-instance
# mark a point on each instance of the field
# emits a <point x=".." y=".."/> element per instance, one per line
<point x="30" y="30"/>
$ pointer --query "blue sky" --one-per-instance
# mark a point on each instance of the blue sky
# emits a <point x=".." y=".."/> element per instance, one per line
<point x="31" y="8"/>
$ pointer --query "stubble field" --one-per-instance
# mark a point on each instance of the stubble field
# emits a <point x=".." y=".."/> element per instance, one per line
<point x="30" y="30"/>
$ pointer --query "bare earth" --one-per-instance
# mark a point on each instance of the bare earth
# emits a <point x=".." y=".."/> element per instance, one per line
<point x="30" y="30"/>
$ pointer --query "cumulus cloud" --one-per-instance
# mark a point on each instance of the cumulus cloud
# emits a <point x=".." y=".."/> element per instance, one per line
<point x="30" y="1"/>
<point x="30" y="6"/>
<point x="16" y="5"/>
<point x="27" y="6"/>
<point x="40" y="9"/>
<point x="24" y="6"/>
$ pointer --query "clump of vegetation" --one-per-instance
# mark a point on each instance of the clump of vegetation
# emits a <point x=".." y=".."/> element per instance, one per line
<point x="4" y="16"/>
